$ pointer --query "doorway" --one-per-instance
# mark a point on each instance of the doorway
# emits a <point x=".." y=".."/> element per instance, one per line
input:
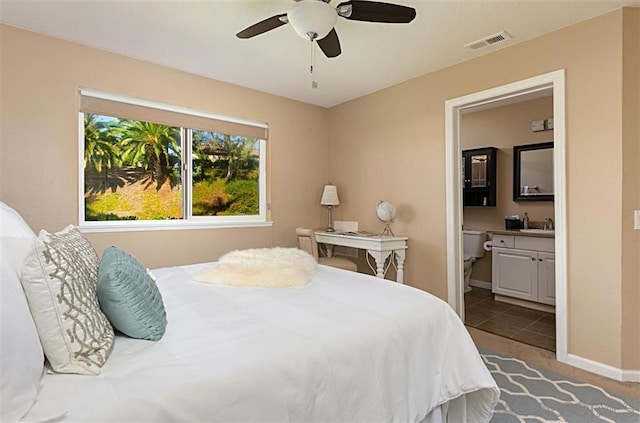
<point x="454" y="108"/>
<point x="491" y="137"/>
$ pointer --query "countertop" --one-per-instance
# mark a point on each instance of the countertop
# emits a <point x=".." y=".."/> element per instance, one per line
<point x="520" y="233"/>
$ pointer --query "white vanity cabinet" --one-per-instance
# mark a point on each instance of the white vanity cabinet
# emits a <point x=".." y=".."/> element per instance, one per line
<point x="547" y="278"/>
<point x="524" y="267"/>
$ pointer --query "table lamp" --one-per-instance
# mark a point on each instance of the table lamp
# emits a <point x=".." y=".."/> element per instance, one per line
<point x="330" y="199"/>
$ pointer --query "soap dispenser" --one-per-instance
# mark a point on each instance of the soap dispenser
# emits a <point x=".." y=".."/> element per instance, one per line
<point x="525" y="221"/>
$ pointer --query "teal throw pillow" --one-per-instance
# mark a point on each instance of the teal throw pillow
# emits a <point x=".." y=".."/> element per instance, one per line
<point x="129" y="297"/>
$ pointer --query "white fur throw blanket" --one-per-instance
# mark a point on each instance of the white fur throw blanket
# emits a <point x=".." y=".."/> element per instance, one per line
<point x="261" y="267"/>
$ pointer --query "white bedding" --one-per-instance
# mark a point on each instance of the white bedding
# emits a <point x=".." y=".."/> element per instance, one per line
<point x="345" y="348"/>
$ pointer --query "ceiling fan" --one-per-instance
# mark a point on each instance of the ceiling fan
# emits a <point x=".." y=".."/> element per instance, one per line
<point x="314" y="20"/>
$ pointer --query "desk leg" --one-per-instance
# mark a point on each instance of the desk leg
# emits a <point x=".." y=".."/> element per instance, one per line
<point x="400" y="254"/>
<point x="381" y="258"/>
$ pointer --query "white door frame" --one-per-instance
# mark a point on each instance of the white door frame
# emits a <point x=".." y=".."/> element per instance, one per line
<point x="453" y="110"/>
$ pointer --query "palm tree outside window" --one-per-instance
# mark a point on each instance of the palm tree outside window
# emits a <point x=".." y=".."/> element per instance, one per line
<point x="148" y="170"/>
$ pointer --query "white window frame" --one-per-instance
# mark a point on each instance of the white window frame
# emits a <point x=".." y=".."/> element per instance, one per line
<point x="188" y="221"/>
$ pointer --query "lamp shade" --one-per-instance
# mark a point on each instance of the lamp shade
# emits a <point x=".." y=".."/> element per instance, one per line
<point x="312" y="19"/>
<point x="330" y="196"/>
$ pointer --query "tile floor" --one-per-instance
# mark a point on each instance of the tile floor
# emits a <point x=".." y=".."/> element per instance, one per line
<point x="522" y="324"/>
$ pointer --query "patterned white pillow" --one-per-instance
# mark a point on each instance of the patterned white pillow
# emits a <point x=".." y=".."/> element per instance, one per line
<point x="59" y="277"/>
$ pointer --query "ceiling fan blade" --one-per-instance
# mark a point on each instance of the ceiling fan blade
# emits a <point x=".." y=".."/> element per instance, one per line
<point x="330" y="45"/>
<point x="373" y="11"/>
<point x="263" y="26"/>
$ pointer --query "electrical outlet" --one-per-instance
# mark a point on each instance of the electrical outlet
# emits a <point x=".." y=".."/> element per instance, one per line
<point x="636" y="219"/>
<point x="548" y="124"/>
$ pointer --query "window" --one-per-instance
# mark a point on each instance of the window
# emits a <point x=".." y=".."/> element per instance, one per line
<point x="146" y="165"/>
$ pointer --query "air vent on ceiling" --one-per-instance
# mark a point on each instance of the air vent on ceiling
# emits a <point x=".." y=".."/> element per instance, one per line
<point x="488" y="41"/>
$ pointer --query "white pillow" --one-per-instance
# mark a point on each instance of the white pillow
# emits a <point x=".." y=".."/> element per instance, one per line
<point x="59" y="277"/>
<point x="12" y="224"/>
<point x="21" y="356"/>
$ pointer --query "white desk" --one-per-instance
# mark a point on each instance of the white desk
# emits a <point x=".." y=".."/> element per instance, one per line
<point x="378" y="247"/>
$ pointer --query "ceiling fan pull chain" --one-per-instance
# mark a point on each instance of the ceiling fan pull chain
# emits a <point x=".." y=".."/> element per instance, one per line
<point x="313" y="57"/>
<point x="314" y="84"/>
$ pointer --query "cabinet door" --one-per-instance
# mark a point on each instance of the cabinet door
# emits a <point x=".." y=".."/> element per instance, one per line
<point x="515" y="273"/>
<point x="479" y="176"/>
<point x="547" y="278"/>
<point x="479" y="170"/>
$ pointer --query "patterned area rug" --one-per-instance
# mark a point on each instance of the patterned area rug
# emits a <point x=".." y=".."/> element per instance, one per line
<point x="531" y="394"/>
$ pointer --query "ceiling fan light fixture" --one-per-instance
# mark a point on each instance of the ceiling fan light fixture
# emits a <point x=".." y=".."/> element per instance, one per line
<point x="312" y="19"/>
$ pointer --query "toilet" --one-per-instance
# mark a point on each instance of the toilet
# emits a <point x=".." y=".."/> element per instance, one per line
<point x="473" y="249"/>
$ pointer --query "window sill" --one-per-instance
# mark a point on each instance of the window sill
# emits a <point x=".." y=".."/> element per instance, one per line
<point x="178" y="225"/>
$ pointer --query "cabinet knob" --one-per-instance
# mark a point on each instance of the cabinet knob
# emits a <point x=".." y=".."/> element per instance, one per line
<point x="533" y="258"/>
<point x="539" y="259"/>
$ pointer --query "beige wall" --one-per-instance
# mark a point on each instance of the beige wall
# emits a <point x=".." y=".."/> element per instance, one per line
<point x="397" y="136"/>
<point x="39" y="144"/>
<point x="504" y="127"/>
<point x="388" y="145"/>
<point x="631" y="191"/>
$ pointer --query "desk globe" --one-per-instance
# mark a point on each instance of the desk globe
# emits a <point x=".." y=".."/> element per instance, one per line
<point x="386" y="212"/>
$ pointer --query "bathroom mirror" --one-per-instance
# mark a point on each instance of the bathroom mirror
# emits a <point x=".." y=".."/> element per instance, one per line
<point x="533" y="172"/>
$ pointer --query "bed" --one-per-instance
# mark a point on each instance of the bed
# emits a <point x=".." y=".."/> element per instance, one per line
<point x="345" y="347"/>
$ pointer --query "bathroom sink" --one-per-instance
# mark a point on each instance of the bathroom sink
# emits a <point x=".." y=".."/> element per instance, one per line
<point x="538" y="231"/>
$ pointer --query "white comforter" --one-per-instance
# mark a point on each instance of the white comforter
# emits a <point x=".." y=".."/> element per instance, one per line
<point x="345" y="348"/>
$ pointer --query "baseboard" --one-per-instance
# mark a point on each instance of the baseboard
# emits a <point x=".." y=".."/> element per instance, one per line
<point x="631" y="376"/>
<point x="479" y="284"/>
<point x="603" y="369"/>
<point x="524" y="303"/>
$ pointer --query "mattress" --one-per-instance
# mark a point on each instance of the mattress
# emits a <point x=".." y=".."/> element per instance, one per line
<point x="347" y="347"/>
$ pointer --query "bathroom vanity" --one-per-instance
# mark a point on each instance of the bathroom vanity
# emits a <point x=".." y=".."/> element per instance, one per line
<point x="524" y="267"/>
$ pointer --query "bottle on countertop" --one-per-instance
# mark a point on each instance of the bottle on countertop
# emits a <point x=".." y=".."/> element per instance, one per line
<point x="525" y="221"/>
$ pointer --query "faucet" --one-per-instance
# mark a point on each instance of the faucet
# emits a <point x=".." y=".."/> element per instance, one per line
<point x="548" y="224"/>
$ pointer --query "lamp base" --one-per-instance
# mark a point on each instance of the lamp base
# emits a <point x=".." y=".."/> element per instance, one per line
<point x="329" y="227"/>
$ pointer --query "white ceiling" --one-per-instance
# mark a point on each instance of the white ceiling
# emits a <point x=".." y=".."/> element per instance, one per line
<point x="198" y="36"/>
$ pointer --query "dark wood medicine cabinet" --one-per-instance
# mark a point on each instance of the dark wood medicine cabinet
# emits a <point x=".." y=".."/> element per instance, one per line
<point x="479" y="177"/>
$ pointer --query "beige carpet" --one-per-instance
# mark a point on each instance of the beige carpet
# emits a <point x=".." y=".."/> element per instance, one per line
<point x="547" y="360"/>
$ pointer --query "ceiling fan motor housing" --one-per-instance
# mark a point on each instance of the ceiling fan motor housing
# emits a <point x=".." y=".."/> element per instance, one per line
<point x="312" y="19"/>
